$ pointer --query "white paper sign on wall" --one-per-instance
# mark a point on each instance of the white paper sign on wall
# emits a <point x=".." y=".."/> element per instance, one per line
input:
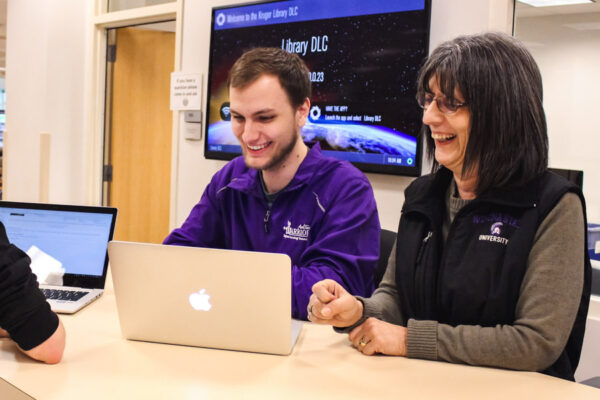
<point x="186" y="91"/>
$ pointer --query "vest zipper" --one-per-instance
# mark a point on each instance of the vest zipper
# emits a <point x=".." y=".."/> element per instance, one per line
<point x="422" y="248"/>
<point x="419" y="298"/>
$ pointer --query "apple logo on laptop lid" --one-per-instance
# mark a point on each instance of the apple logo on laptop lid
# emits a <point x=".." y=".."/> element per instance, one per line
<point x="200" y="300"/>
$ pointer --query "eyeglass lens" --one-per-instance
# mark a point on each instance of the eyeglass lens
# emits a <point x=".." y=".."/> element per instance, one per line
<point x="443" y="104"/>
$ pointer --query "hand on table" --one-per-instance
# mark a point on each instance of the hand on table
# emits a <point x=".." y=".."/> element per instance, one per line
<point x="51" y="350"/>
<point x="331" y="304"/>
<point x="375" y="336"/>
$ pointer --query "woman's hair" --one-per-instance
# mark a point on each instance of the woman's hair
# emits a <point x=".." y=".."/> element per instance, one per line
<point x="288" y="67"/>
<point x="502" y="88"/>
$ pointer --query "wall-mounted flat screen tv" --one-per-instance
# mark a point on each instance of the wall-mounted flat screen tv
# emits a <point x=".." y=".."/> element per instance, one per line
<point x="363" y="58"/>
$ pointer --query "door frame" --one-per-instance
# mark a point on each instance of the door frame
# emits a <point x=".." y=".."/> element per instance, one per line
<point x="96" y="89"/>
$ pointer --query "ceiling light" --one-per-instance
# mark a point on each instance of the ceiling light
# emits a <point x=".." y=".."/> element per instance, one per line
<point x="550" y="3"/>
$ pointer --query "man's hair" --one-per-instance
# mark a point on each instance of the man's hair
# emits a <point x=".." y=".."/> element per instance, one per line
<point x="288" y="67"/>
<point x="502" y="88"/>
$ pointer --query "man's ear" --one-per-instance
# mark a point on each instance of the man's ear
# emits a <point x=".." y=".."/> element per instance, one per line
<point x="302" y="112"/>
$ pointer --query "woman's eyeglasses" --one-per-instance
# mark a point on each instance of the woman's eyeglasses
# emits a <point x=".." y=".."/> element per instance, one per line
<point x="445" y="106"/>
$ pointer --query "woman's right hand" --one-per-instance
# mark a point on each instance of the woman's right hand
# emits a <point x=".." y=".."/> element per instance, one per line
<point x="331" y="304"/>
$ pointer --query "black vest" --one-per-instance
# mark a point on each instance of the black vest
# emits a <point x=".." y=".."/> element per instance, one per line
<point x="474" y="278"/>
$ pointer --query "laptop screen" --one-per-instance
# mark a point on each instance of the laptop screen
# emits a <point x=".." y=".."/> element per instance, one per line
<point x="74" y="235"/>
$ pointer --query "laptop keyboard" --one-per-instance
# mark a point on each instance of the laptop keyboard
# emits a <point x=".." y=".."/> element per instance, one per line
<point x="61" y="294"/>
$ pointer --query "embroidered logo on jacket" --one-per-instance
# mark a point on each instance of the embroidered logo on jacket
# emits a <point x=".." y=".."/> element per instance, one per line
<point x="495" y="232"/>
<point x="299" y="233"/>
<point x="496" y="229"/>
<point x="502" y="219"/>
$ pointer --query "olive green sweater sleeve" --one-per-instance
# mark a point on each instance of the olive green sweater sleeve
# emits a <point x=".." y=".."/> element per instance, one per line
<point x="546" y="309"/>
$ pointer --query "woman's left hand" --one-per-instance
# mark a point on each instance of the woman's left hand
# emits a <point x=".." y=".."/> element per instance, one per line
<point x="376" y="336"/>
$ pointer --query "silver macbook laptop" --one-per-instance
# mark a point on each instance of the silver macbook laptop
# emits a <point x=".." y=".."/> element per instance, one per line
<point x="225" y="299"/>
<point x="75" y="237"/>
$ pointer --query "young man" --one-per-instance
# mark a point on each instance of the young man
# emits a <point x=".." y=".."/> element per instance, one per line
<point x="280" y="196"/>
<point x="25" y="315"/>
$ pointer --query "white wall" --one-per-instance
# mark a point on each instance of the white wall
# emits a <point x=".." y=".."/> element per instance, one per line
<point x="45" y="93"/>
<point x="569" y="60"/>
<point x="449" y="19"/>
<point x="589" y="364"/>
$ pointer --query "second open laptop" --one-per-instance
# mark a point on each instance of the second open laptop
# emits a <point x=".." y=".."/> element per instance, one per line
<point x="225" y="299"/>
<point x="75" y="236"/>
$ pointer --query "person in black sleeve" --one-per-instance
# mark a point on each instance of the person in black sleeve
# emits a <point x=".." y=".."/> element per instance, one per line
<point x="25" y="316"/>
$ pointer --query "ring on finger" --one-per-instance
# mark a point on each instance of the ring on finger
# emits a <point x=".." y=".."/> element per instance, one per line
<point x="363" y="342"/>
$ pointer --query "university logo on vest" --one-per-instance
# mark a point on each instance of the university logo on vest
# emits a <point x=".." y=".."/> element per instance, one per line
<point x="495" y="232"/>
<point x="299" y="233"/>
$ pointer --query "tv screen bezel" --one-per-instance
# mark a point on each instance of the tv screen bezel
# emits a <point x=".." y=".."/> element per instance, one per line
<point x="388" y="169"/>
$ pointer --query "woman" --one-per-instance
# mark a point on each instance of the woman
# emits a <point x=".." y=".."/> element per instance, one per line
<point x="490" y="265"/>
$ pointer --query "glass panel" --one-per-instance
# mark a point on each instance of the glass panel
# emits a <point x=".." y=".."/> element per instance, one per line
<point x="118" y="5"/>
<point x="564" y="41"/>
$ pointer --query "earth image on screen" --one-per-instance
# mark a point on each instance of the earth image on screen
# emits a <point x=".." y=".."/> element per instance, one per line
<point x="341" y="136"/>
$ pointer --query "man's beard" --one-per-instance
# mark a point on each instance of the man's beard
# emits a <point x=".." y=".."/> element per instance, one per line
<point x="279" y="157"/>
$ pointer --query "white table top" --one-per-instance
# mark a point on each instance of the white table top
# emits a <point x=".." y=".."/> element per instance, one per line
<point x="100" y="364"/>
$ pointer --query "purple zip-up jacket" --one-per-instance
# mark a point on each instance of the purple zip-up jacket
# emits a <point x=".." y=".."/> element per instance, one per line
<point x="325" y="220"/>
